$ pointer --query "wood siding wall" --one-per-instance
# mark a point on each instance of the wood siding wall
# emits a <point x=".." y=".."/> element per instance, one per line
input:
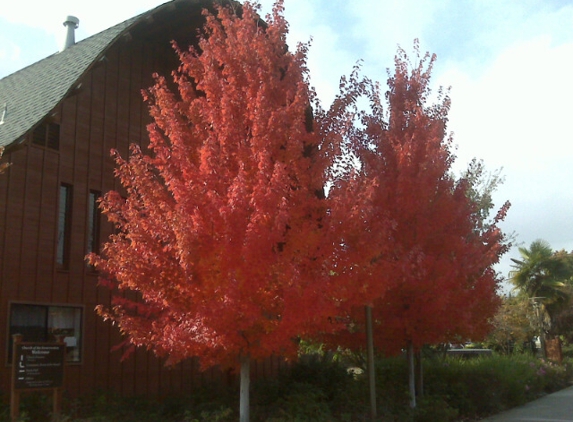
<point x="106" y="112"/>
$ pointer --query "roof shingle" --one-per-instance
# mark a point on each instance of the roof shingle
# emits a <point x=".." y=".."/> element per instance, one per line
<point x="29" y="94"/>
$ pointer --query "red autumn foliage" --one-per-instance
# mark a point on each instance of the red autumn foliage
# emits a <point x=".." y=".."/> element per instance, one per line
<point x="226" y="238"/>
<point x="220" y="234"/>
<point x="424" y="256"/>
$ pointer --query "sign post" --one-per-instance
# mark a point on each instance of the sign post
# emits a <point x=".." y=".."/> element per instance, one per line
<point x="37" y="366"/>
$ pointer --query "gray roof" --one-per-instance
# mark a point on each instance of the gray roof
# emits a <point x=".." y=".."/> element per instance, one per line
<point x="29" y="95"/>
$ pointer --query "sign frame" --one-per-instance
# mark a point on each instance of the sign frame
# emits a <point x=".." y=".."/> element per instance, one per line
<point x="37" y="367"/>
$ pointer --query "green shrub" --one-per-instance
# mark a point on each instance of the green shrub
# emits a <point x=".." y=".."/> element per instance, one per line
<point x="486" y="385"/>
<point x="221" y="415"/>
<point x="567" y="350"/>
<point x="392" y="395"/>
<point x="434" y="409"/>
<point x="315" y="388"/>
<point x="34" y="406"/>
<point x="319" y="389"/>
<point x="205" y="405"/>
<point x="303" y="403"/>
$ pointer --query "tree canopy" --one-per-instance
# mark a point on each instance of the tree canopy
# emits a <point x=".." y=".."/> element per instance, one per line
<point x="425" y="245"/>
<point x="227" y="246"/>
<point x="219" y="234"/>
<point x="544" y="276"/>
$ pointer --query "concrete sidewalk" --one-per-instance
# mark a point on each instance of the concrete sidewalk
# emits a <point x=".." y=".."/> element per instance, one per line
<point x="556" y="407"/>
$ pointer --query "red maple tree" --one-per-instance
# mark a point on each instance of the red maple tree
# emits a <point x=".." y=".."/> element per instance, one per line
<point x="443" y="253"/>
<point x="424" y="258"/>
<point x="220" y="231"/>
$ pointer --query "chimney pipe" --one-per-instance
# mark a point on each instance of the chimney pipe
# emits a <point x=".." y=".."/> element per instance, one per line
<point x="71" y="23"/>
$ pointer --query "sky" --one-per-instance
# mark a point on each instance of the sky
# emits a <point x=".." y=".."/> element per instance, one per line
<point x="509" y="64"/>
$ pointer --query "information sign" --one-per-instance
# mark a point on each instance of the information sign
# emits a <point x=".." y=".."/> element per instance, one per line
<point x="39" y="365"/>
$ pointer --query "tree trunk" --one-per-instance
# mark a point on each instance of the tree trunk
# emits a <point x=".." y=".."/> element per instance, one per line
<point x="370" y="363"/>
<point x="244" y="407"/>
<point x="411" y="375"/>
<point x="553" y="349"/>
<point x="541" y="331"/>
<point x="419" y="375"/>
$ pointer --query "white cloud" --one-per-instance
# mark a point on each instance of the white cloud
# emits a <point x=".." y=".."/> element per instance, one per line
<point x="9" y="51"/>
<point x="517" y="115"/>
<point x="382" y="25"/>
<point x="94" y="16"/>
<point x="518" y="111"/>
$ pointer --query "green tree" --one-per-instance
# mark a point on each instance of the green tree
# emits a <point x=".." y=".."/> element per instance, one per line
<point x="481" y="186"/>
<point x="544" y="276"/>
<point x="563" y="322"/>
<point x="512" y="325"/>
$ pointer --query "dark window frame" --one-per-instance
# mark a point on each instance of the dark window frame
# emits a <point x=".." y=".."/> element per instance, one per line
<point x="94" y="222"/>
<point x="64" y="234"/>
<point x="43" y="331"/>
<point x="47" y="135"/>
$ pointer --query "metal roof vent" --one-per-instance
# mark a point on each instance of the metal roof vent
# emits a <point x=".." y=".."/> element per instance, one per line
<point x="71" y="23"/>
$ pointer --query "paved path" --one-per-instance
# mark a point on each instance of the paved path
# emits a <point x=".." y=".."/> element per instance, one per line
<point x="556" y="407"/>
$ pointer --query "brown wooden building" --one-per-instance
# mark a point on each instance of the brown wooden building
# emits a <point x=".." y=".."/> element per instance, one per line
<point x="59" y="119"/>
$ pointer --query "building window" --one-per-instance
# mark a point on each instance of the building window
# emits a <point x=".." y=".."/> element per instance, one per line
<point x="42" y="323"/>
<point x="94" y="221"/>
<point x="47" y="135"/>
<point x="64" y="226"/>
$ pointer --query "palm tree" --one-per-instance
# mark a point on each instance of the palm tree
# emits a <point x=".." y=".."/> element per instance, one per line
<point x="543" y="276"/>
